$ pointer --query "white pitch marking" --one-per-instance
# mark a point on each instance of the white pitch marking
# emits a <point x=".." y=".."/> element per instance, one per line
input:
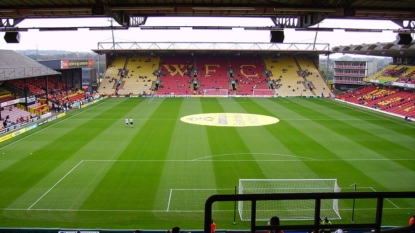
<point x="55" y="185"/>
<point x="168" y="203"/>
<point x="254" y="154"/>
<point x="387" y="199"/>
<point x="148" y="211"/>
<point x="248" y="160"/>
<point x="75" y="114"/>
<point x="160" y="211"/>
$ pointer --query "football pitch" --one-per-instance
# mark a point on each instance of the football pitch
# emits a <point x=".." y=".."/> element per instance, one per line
<point x="90" y="170"/>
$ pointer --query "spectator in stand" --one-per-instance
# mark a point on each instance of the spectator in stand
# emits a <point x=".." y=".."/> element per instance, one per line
<point x="326" y="222"/>
<point x="274" y="221"/>
<point x="212" y="227"/>
<point x="412" y="224"/>
<point x="175" y="230"/>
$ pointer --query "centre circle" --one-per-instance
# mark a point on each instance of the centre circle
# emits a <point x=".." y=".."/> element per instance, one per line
<point x="229" y="119"/>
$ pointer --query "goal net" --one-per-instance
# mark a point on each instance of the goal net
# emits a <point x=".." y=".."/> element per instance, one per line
<point x="263" y="93"/>
<point x="288" y="209"/>
<point x="216" y="92"/>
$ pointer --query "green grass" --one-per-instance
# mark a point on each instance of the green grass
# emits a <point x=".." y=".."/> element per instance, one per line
<point x="87" y="170"/>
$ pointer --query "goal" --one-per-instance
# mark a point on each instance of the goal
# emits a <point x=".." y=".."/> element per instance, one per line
<point x="288" y="209"/>
<point x="263" y="93"/>
<point x="216" y="92"/>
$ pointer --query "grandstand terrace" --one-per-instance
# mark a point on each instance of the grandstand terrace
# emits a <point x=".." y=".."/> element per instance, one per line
<point x="76" y="73"/>
<point x="250" y="73"/>
<point x="192" y="68"/>
<point x="22" y="80"/>
<point x="176" y="75"/>
<point x="214" y="71"/>
<point x="30" y="89"/>
<point x="392" y="100"/>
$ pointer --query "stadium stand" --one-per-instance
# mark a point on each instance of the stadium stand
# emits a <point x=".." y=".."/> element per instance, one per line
<point x="19" y="85"/>
<point x="14" y="114"/>
<point x="389" y="73"/>
<point x="112" y="75"/>
<point x="37" y="86"/>
<point x="313" y="76"/>
<point x="286" y="75"/>
<point x="249" y="74"/>
<point x="138" y="76"/>
<point x="385" y="99"/>
<point x="175" y="74"/>
<point x="214" y="72"/>
<point x="408" y="76"/>
<point x="5" y="95"/>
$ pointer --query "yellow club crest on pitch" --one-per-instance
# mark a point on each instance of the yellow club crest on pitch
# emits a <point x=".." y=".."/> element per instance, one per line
<point x="229" y="119"/>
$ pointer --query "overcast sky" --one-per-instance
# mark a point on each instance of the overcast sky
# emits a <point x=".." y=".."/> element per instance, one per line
<point x="84" y="40"/>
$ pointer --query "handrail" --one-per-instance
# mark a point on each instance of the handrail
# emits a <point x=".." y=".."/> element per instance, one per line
<point x="376" y="226"/>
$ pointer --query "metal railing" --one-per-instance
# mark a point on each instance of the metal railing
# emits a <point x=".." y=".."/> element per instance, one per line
<point x="253" y="198"/>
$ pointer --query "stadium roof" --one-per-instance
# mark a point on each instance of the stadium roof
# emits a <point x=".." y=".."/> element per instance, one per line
<point x="391" y="49"/>
<point x="15" y="66"/>
<point x="285" y="13"/>
<point x="237" y="48"/>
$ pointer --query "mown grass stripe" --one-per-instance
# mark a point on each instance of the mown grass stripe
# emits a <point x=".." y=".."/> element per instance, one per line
<point x="30" y="170"/>
<point x="392" y="123"/>
<point x="303" y="145"/>
<point x="196" y="182"/>
<point x="226" y="140"/>
<point x="376" y="123"/>
<point x="263" y="145"/>
<point x="185" y="169"/>
<point x="89" y="173"/>
<point x="360" y="135"/>
<point x="150" y="142"/>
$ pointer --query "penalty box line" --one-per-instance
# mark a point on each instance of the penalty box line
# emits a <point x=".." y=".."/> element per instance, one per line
<point x="374" y="190"/>
<point x="40" y="198"/>
<point x="388" y="200"/>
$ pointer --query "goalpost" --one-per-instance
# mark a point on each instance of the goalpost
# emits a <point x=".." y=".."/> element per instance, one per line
<point x="263" y="93"/>
<point x="288" y="209"/>
<point x="216" y="93"/>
